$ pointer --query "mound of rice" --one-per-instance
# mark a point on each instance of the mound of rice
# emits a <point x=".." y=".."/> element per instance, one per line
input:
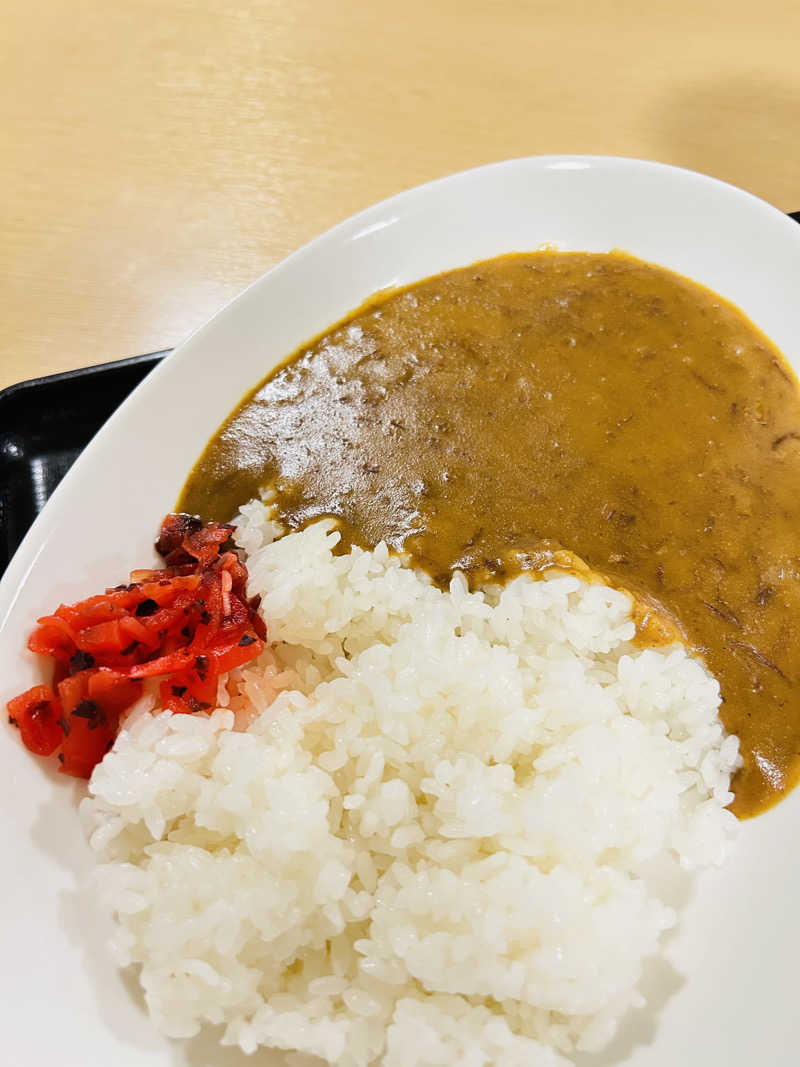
<point x="418" y="832"/>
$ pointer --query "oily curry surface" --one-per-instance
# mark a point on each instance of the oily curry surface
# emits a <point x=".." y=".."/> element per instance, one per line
<point x="489" y="418"/>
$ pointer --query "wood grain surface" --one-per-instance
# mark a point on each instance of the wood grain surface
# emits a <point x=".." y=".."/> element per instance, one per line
<point x="158" y="156"/>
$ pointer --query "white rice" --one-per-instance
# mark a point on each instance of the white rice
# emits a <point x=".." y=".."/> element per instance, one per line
<point x="421" y="831"/>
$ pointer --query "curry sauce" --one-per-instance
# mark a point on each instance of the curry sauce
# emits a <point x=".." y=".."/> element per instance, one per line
<point x="494" y="418"/>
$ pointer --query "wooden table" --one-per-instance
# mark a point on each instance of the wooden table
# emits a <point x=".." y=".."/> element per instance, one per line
<point x="159" y="155"/>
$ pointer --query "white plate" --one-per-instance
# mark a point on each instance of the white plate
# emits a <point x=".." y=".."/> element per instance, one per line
<point x="61" y="1000"/>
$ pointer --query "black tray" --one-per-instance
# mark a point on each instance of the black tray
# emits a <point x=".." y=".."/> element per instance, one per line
<point x="45" y="424"/>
